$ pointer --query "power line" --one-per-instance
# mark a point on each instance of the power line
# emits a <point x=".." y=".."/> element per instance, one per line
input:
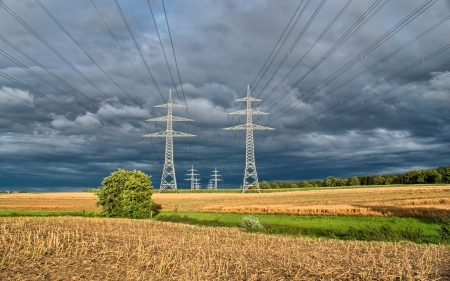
<point x="55" y="114"/>
<point x="83" y="50"/>
<point x="313" y="16"/>
<point x="352" y="30"/>
<point x="162" y="48"/>
<point x="363" y="53"/>
<point x="179" y="77"/>
<point x="278" y="42"/>
<point x="313" y="45"/>
<point x="112" y="34"/>
<point x="367" y="89"/>
<point x="379" y="61"/>
<point x="284" y="41"/>
<point x="364" y="109"/>
<point x="139" y="49"/>
<point x="54" y="50"/>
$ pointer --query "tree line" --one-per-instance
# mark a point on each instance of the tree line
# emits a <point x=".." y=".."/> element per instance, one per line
<point x="428" y="176"/>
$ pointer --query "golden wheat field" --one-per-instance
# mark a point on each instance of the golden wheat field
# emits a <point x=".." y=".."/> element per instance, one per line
<point x="69" y="248"/>
<point x="386" y="201"/>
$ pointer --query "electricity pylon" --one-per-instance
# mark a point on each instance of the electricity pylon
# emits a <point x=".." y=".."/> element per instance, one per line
<point x="250" y="174"/>
<point x="215" y="178"/>
<point x="210" y="184"/>
<point x="168" y="179"/>
<point x="197" y="183"/>
<point x="192" y="178"/>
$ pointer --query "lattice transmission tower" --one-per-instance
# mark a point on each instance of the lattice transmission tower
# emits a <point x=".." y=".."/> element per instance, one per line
<point x="250" y="174"/>
<point x="197" y="183"/>
<point x="192" y="178"/>
<point x="168" y="179"/>
<point x="215" y="179"/>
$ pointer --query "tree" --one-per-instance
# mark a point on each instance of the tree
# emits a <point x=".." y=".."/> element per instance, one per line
<point x="379" y="180"/>
<point x="415" y="176"/>
<point x="344" y="182"/>
<point x="126" y="194"/>
<point x="445" y="172"/>
<point x="293" y="185"/>
<point x="264" y="185"/>
<point x="274" y="185"/>
<point x="432" y="176"/>
<point x="330" y="181"/>
<point x="304" y="184"/>
<point x="354" y="181"/>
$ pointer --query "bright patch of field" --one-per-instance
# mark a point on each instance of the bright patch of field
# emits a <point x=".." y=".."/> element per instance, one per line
<point x="380" y="201"/>
<point x="119" y="249"/>
<point x="55" y="201"/>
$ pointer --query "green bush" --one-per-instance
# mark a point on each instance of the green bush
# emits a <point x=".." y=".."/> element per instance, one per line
<point x="126" y="194"/>
<point x="250" y="222"/>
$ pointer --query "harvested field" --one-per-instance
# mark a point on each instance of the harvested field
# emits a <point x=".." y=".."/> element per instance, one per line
<point x="55" y="201"/>
<point x="393" y="196"/>
<point x="119" y="249"/>
<point x="386" y="201"/>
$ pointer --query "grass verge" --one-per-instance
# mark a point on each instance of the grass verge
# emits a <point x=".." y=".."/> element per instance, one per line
<point x="423" y="231"/>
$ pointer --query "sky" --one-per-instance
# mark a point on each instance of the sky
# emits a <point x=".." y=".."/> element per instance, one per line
<point x="351" y="87"/>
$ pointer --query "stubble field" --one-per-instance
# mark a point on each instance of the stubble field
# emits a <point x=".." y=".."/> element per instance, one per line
<point x="67" y="248"/>
<point x="386" y="201"/>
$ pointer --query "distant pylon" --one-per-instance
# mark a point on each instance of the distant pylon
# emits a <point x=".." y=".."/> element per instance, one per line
<point x="250" y="174"/>
<point x="168" y="179"/>
<point x="192" y="178"/>
<point x="215" y="178"/>
<point x="210" y="184"/>
<point x="197" y="183"/>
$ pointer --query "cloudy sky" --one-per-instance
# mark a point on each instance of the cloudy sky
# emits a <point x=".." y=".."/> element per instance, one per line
<point x="351" y="87"/>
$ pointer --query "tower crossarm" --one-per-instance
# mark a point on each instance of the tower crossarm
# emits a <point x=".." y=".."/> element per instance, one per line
<point x="172" y="105"/>
<point x="244" y="127"/>
<point x="166" y="118"/>
<point x="251" y="111"/>
<point x="174" y="134"/>
<point x="248" y="99"/>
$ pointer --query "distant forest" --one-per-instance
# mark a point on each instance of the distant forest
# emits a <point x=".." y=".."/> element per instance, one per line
<point x="438" y="175"/>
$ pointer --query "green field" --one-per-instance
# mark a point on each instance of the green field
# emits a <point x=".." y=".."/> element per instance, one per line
<point x="342" y="227"/>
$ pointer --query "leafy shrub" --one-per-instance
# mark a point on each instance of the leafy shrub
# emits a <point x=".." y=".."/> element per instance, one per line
<point x="250" y="222"/>
<point x="126" y="194"/>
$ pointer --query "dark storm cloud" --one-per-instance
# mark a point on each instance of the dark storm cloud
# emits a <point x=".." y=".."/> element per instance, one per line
<point x="220" y="47"/>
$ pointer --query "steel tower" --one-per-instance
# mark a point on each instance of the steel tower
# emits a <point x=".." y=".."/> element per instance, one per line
<point x="215" y="178"/>
<point x="250" y="174"/>
<point x="168" y="179"/>
<point x="192" y="178"/>
<point x="197" y="183"/>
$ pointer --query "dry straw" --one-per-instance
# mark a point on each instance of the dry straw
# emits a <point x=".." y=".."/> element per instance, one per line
<point x="119" y="249"/>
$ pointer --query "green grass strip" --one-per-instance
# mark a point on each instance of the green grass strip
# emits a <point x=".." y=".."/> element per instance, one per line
<point x="340" y="227"/>
<point x="4" y="213"/>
